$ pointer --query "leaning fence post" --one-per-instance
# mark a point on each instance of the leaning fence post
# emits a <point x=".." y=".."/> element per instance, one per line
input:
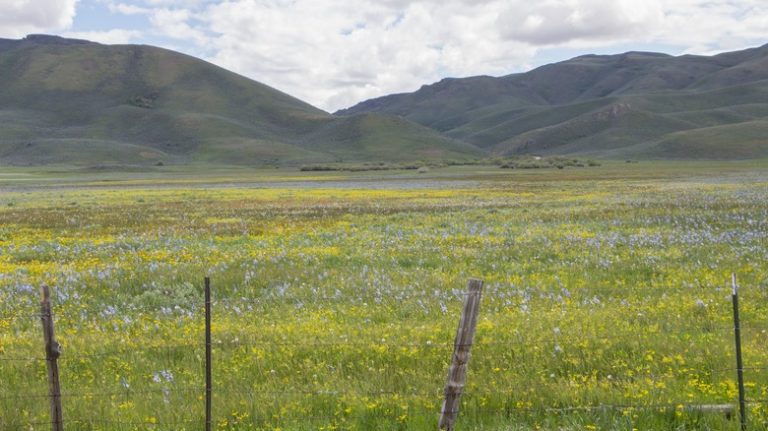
<point x="208" y="380"/>
<point x="52" y="352"/>
<point x="457" y="373"/>
<point x="739" y="365"/>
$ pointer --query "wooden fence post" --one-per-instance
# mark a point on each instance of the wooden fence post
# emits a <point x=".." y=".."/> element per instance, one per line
<point x="208" y="379"/>
<point x="52" y="352"/>
<point x="739" y="364"/>
<point x="457" y="373"/>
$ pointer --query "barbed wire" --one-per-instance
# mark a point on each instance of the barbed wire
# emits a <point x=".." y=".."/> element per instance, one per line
<point x="491" y="294"/>
<point x="121" y="351"/>
<point x="22" y="359"/>
<point x="123" y="392"/>
<point x="316" y="392"/>
<point x="441" y="296"/>
<point x="277" y="342"/>
<point x="17" y="317"/>
<point x="505" y="410"/>
<point x="686" y="406"/>
<point x="153" y="424"/>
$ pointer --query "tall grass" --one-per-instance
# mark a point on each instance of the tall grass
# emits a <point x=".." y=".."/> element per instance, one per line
<point x="605" y="305"/>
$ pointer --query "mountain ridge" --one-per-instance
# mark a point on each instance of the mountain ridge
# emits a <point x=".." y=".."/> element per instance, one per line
<point x="80" y="102"/>
<point x="547" y="110"/>
<point x="71" y="101"/>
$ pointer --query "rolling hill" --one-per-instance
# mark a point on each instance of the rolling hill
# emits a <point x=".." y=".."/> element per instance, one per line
<point x="65" y="101"/>
<point x="636" y="104"/>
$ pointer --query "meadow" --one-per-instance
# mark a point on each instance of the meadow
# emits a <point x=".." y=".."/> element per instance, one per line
<point x="336" y="296"/>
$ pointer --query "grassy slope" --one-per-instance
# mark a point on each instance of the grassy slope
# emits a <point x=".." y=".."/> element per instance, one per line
<point x="386" y="137"/>
<point x="747" y="140"/>
<point x="65" y="101"/>
<point x="592" y="132"/>
<point x="76" y="102"/>
<point x="558" y="108"/>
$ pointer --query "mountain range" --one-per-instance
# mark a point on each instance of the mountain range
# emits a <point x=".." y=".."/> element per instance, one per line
<point x="66" y="101"/>
<point x="636" y="104"/>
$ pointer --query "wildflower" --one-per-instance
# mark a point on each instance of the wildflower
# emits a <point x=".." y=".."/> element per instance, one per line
<point x="162" y="376"/>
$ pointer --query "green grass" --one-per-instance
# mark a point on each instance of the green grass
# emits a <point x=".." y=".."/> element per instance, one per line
<point x="556" y="108"/>
<point x="748" y="140"/>
<point x="375" y="137"/>
<point x="601" y="133"/>
<point x="337" y="295"/>
<point x="95" y="105"/>
<point x="69" y="103"/>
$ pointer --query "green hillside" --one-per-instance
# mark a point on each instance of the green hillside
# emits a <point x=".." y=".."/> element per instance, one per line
<point x="603" y="106"/>
<point x="77" y="102"/>
<point x="382" y="138"/>
<point x="67" y="101"/>
<point x="745" y="140"/>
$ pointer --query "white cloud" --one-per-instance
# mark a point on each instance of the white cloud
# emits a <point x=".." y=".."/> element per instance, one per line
<point x="334" y="54"/>
<point x="110" y="37"/>
<point x="21" y="17"/>
<point x="711" y="26"/>
<point x="128" y="9"/>
<point x="553" y="22"/>
<point x="176" y="3"/>
<point x="173" y="19"/>
<point x="174" y="23"/>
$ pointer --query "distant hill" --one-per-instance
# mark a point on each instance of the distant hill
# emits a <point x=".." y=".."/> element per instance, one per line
<point x="636" y="104"/>
<point x="78" y="102"/>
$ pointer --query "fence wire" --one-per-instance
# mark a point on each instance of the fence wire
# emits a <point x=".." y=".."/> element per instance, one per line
<point x="223" y="344"/>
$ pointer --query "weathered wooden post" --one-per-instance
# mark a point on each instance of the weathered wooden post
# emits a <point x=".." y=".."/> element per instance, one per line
<point x="52" y="353"/>
<point x="457" y="373"/>
<point x="739" y="364"/>
<point x="208" y="380"/>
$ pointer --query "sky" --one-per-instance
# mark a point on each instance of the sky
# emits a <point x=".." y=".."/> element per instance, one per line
<point x="335" y="53"/>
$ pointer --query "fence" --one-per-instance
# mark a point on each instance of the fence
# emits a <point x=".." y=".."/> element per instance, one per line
<point x="202" y="413"/>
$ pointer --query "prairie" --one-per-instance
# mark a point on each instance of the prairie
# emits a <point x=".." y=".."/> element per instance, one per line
<point x="336" y="295"/>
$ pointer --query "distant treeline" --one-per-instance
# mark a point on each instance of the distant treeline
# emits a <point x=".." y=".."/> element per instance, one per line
<point x="520" y="162"/>
<point x="534" y="162"/>
<point x="368" y="166"/>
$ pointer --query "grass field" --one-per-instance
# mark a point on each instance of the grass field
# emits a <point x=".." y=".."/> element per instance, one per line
<point x="337" y="296"/>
